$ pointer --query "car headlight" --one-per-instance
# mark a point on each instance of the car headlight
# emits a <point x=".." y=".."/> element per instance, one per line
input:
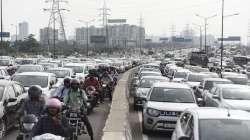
<point x="153" y="112"/>
<point x="28" y="126"/>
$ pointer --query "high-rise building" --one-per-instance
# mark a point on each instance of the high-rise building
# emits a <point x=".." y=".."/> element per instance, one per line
<point x="47" y="35"/>
<point x="23" y="30"/>
<point x="118" y="35"/>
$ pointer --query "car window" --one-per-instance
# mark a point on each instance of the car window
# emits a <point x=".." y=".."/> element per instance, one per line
<point x="19" y="89"/>
<point x="11" y="92"/>
<point x="217" y="92"/>
<point x="212" y="91"/>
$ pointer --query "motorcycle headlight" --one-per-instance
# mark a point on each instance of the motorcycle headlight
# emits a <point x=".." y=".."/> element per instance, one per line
<point x="28" y="126"/>
<point x="153" y="112"/>
<point x="104" y="85"/>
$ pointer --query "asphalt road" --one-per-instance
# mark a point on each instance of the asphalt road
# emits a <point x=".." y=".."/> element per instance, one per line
<point x="97" y="119"/>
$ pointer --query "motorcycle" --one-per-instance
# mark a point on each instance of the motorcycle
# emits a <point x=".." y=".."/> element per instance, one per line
<point x="107" y="89"/>
<point x="74" y="116"/>
<point x="48" y="137"/>
<point x="26" y="127"/>
<point x="92" y="98"/>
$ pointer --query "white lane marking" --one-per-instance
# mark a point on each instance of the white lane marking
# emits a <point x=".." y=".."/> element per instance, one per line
<point x="144" y="137"/>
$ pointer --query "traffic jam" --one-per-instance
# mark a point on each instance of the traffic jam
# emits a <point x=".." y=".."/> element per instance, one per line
<point x="190" y="99"/>
<point x="47" y="99"/>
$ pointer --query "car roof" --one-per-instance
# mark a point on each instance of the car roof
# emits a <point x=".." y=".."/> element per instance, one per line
<point x="221" y="113"/>
<point x="35" y="73"/>
<point x="150" y="72"/>
<point x="233" y="86"/>
<point x="216" y="79"/>
<point x="171" y="85"/>
<point x="75" y="64"/>
<point x="183" y="70"/>
<point x="60" y="68"/>
<point x="154" y="77"/>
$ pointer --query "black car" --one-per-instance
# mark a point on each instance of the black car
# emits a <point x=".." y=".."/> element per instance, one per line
<point x="12" y="94"/>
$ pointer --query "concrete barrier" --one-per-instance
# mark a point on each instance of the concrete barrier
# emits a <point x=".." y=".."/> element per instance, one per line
<point x="117" y="126"/>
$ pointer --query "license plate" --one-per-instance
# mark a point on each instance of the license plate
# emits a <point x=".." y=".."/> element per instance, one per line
<point x="166" y="125"/>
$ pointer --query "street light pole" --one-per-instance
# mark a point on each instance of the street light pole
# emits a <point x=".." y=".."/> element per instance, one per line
<point x="222" y="36"/>
<point x="2" y="23"/>
<point x="87" y="24"/>
<point x="200" y="29"/>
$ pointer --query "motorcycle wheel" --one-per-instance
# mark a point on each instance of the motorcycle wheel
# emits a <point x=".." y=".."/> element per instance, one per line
<point x="2" y="129"/>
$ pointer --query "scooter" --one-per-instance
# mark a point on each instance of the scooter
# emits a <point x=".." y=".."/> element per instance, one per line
<point x="48" y="137"/>
<point x="26" y="127"/>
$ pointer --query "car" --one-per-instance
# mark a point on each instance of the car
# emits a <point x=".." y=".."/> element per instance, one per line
<point x="148" y="73"/>
<point x="212" y="74"/>
<point x="30" y="68"/>
<point x="12" y="94"/>
<point x="144" y="86"/>
<point x="62" y="73"/>
<point x="194" y="79"/>
<point x="228" y="96"/>
<point x="80" y="70"/>
<point x="212" y="124"/>
<point x="208" y="83"/>
<point x="43" y="79"/>
<point x="180" y="75"/>
<point x="236" y="78"/>
<point x="165" y="102"/>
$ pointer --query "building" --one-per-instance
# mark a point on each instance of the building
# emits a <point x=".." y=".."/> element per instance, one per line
<point x="119" y="35"/>
<point x="47" y="35"/>
<point x="23" y="30"/>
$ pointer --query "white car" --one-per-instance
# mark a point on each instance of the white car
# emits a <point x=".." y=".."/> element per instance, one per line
<point x="79" y="69"/>
<point x="165" y="103"/>
<point x="62" y="73"/>
<point x="212" y="124"/>
<point x="43" y="79"/>
<point x="30" y="68"/>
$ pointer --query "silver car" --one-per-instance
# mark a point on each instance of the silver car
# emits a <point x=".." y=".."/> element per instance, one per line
<point x="165" y="102"/>
<point x="212" y="124"/>
<point x="229" y="96"/>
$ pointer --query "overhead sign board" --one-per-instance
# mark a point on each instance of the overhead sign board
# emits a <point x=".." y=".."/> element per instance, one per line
<point x="231" y="38"/>
<point x="97" y="39"/>
<point x="4" y="34"/>
<point x="117" y="20"/>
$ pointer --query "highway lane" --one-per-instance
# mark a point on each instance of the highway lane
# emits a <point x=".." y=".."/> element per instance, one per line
<point x="135" y="118"/>
<point x="97" y="119"/>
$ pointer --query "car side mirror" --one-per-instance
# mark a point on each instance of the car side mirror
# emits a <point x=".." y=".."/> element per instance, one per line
<point x="184" y="138"/>
<point x="216" y="97"/>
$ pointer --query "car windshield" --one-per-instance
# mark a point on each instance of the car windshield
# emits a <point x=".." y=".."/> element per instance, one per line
<point x="236" y="93"/>
<point x="147" y="83"/>
<point x="196" y="77"/>
<point x="224" y="129"/>
<point x="29" y="80"/>
<point x="60" y="73"/>
<point x="238" y="80"/>
<point x="1" y="92"/>
<point x="180" y="75"/>
<point x="175" y="95"/>
<point x="76" y="69"/>
<point x="4" y="62"/>
<point x="29" y="69"/>
<point x="150" y="74"/>
<point x="209" y="84"/>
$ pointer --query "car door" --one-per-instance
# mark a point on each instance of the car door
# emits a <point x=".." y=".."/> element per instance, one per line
<point x="216" y="102"/>
<point x="11" y="107"/>
<point x="209" y="101"/>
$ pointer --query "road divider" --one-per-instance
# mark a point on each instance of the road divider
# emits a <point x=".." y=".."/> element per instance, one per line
<point x="117" y="126"/>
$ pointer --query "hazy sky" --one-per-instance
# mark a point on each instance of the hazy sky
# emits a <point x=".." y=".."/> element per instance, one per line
<point x="159" y="15"/>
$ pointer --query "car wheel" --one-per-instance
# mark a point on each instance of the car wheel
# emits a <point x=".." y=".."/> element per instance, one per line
<point x="2" y="129"/>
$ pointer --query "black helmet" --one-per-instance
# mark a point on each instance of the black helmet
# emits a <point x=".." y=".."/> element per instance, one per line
<point x="75" y="84"/>
<point x="35" y="92"/>
<point x="67" y="80"/>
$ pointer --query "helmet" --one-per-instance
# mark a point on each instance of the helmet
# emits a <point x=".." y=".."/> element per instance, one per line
<point x="35" y="92"/>
<point x="66" y="80"/>
<point x="54" y="103"/>
<point x="54" y="106"/>
<point x="75" y="84"/>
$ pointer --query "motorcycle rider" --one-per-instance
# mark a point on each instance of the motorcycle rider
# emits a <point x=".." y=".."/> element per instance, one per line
<point x="91" y="81"/>
<point x="78" y="99"/>
<point x="53" y="122"/>
<point x="106" y="78"/>
<point x="63" y="90"/>
<point x="35" y="104"/>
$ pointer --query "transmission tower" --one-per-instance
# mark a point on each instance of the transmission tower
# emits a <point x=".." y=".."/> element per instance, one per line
<point x="105" y="13"/>
<point x="56" y="19"/>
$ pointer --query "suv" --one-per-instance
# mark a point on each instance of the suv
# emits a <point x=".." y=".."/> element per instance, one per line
<point x="12" y="94"/>
<point x="212" y="124"/>
<point x="165" y="103"/>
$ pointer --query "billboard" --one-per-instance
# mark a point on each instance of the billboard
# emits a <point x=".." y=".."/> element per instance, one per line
<point x="97" y="39"/>
<point x="4" y="34"/>
<point x="117" y="20"/>
<point x="231" y="38"/>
